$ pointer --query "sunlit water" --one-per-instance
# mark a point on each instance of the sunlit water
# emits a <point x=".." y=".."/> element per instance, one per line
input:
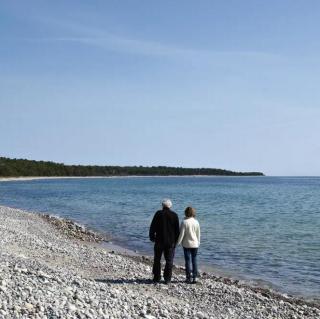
<point x="260" y="228"/>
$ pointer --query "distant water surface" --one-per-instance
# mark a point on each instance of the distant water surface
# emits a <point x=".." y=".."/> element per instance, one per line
<point x="260" y="228"/>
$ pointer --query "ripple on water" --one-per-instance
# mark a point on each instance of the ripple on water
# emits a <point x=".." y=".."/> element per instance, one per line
<point x="259" y="228"/>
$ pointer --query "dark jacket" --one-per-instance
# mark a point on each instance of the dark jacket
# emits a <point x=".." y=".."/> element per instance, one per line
<point x="164" y="228"/>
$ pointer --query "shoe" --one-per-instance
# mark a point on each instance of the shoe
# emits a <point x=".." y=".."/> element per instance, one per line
<point x="188" y="281"/>
<point x="156" y="281"/>
<point x="194" y="281"/>
<point x="167" y="282"/>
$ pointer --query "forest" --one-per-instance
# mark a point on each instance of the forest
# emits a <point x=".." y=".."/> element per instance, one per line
<point x="23" y="167"/>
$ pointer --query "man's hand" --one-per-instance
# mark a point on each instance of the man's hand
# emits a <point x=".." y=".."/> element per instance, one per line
<point x="152" y="239"/>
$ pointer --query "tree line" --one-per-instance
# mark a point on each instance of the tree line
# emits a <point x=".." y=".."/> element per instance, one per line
<point x="23" y="167"/>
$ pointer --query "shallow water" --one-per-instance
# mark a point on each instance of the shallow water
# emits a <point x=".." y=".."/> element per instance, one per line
<point x="260" y="228"/>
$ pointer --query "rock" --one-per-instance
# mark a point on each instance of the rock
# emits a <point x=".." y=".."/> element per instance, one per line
<point x="3" y="289"/>
<point x="71" y="307"/>
<point x="200" y="315"/>
<point x="29" y="306"/>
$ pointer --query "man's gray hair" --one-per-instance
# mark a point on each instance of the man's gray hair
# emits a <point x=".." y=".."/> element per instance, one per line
<point x="167" y="203"/>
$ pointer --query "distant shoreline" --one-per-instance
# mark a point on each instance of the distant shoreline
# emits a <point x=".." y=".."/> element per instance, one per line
<point x="28" y="168"/>
<point x="30" y="178"/>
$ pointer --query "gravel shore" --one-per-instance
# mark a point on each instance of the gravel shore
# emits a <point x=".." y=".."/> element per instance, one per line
<point x="57" y="269"/>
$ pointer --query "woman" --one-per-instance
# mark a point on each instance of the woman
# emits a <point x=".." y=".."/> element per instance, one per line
<point x="190" y="239"/>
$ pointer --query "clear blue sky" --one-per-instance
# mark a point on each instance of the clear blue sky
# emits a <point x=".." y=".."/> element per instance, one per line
<point x="226" y="84"/>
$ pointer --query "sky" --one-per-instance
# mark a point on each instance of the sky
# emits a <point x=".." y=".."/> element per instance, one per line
<point x="220" y="84"/>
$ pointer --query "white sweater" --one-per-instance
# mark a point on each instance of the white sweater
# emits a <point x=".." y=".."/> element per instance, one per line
<point x="189" y="233"/>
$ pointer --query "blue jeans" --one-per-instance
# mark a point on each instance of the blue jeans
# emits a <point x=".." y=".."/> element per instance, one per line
<point x="190" y="257"/>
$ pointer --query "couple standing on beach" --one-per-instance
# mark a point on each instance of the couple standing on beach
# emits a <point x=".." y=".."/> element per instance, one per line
<point x="166" y="234"/>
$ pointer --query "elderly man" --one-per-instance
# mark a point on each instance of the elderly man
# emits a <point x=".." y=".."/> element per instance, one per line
<point x="164" y="232"/>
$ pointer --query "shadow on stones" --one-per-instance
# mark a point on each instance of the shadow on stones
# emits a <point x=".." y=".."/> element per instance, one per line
<point x="120" y="281"/>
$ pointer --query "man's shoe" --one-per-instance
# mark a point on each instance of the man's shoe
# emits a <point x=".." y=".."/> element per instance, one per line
<point x="188" y="281"/>
<point x="194" y="281"/>
<point x="156" y="281"/>
<point x="167" y="282"/>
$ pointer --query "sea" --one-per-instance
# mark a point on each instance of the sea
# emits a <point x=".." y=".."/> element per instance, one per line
<point x="263" y="230"/>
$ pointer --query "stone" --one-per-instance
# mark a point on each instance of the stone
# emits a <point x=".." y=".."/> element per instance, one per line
<point x="71" y="307"/>
<point x="29" y="306"/>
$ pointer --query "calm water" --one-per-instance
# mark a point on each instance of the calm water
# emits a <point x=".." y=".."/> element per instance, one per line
<point x="259" y="228"/>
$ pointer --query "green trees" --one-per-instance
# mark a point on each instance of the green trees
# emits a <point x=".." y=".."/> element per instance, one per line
<point x="22" y="167"/>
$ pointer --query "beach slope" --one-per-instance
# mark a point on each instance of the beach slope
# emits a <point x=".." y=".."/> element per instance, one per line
<point x="46" y="272"/>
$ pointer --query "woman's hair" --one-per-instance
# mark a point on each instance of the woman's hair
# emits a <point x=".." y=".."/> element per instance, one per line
<point x="190" y="212"/>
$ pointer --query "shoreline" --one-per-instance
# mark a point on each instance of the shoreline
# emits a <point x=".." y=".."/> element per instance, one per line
<point x="208" y="270"/>
<point x="75" y="230"/>
<point x="31" y="178"/>
<point x="120" y="247"/>
<point x="42" y="256"/>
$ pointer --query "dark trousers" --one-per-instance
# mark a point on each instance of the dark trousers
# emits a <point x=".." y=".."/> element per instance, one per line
<point x="168" y="253"/>
<point x="190" y="257"/>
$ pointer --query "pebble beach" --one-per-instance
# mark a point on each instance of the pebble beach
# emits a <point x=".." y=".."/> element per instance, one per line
<point x="54" y="268"/>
